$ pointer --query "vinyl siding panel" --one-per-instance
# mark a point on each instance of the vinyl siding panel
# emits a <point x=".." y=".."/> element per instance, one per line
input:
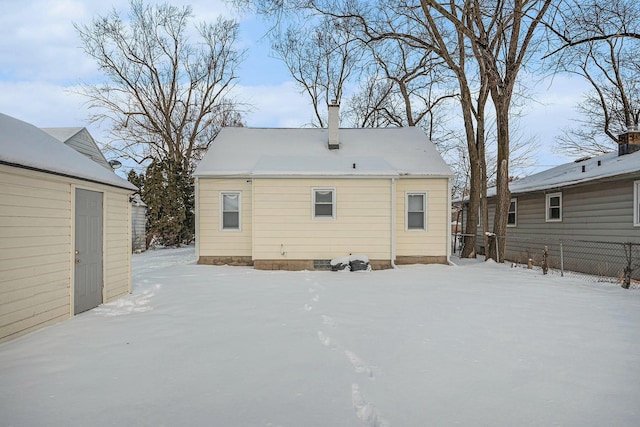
<point x="83" y="143"/>
<point x="117" y="245"/>
<point x="602" y="211"/>
<point x="215" y="242"/>
<point x="138" y="228"/>
<point x="433" y="240"/>
<point x="284" y="227"/>
<point x="35" y="250"/>
<point x="36" y="247"/>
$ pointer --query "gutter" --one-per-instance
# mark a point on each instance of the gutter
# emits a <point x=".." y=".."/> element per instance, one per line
<point x="132" y="189"/>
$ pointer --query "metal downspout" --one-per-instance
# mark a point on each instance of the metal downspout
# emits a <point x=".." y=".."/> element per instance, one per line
<point x="393" y="222"/>
<point x="448" y="229"/>
<point x="197" y="209"/>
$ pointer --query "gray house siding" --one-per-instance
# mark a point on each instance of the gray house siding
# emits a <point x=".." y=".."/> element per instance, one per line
<point x="80" y="140"/>
<point x="592" y="213"/>
<point x="138" y="233"/>
<point x="138" y="224"/>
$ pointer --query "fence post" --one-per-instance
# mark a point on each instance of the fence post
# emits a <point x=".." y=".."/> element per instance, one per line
<point x="561" y="259"/>
<point x="628" y="269"/>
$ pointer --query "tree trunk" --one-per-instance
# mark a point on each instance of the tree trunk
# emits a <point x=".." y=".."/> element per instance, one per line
<point x="503" y="195"/>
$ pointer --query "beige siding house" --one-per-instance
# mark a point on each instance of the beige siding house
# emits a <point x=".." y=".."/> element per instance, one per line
<point x="65" y="231"/>
<point x="297" y="198"/>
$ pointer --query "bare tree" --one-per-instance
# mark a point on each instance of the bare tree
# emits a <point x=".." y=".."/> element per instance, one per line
<point x="320" y="58"/>
<point x="164" y="97"/>
<point x="596" y="42"/>
<point x="483" y="44"/>
<point x="501" y="34"/>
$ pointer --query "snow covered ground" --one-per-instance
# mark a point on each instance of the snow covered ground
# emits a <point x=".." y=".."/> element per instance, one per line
<point x="478" y="344"/>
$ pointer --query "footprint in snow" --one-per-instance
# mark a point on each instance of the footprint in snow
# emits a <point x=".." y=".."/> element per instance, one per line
<point x="324" y="339"/>
<point x="365" y="411"/>
<point x="359" y="366"/>
<point x="328" y="321"/>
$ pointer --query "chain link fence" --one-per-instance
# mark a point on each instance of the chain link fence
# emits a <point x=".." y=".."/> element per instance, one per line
<point x="616" y="262"/>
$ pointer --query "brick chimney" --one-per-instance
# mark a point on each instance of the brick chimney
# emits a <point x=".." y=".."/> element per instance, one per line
<point x="334" y="125"/>
<point x="629" y="142"/>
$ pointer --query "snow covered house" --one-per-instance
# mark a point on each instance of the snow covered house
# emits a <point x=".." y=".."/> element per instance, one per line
<point x="65" y="230"/>
<point x="586" y="204"/>
<point x="297" y="198"/>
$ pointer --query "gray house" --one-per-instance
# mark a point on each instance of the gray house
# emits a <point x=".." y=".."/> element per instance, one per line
<point x="80" y="140"/>
<point x="589" y="209"/>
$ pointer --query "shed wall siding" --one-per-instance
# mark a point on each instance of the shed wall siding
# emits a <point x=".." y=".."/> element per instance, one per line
<point x="35" y="252"/>
<point x="433" y="240"/>
<point x="212" y="240"/>
<point x="117" y="245"/>
<point x="36" y="248"/>
<point x="284" y="227"/>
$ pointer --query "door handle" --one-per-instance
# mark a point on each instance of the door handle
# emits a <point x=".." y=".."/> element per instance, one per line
<point x="77" y="261"/>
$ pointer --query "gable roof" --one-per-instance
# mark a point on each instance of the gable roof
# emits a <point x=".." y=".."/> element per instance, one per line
<point x="602" y="167"/>
<point x="24" y="145"/>
<point x="270" y="152"/>
<point x="80" y="140"/>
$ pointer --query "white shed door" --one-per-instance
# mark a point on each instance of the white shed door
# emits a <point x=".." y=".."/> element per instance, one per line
<point x="88" y="251"/>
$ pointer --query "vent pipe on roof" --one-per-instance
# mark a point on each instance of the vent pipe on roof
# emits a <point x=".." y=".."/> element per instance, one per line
<point x="334" y="125"/>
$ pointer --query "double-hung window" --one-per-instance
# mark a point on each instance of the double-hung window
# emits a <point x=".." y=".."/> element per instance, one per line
<point x="554" y="207"/>
<point x="416" y="204"/>
<point x="324" y="203"/>
<point x="230" y="203"/>
<point x="512" y="214"/>
<point x="636" y="203"/>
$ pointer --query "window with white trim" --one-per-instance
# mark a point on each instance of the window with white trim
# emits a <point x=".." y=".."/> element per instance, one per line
<point x="324" y="203"/>
<point x="230" y="204"/>
<point x="512" y="214"/>
<point x="636" y="203"/>
<point x="416" y="204"/>
<point x="554" y="207"/>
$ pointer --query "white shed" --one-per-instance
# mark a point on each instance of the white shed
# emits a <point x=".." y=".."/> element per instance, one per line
<point x="65" y="230"/>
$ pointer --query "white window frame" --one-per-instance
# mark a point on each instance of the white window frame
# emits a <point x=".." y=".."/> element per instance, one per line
<point x="315" y="217"/>
<point x="230" y="193"/>
<point x="424" y="212"/>
<point x="636" y="203"/>
<point x="548" y="206"/>
<point x="515" y="213"/>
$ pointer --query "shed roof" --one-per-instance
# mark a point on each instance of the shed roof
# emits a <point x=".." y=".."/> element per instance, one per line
<point x="602" y="167"/>
<point x="263" y="152"/>
<point x="25" y="145"/>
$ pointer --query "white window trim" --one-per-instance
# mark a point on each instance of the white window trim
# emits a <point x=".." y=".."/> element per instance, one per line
<point x="231" y="230"/>
<point x="515" y="213"/>
<point x="333" y="204"/>
<point x="406" y="211"/>
<point x="547" y="206"/>
<point x="636" y="203"/>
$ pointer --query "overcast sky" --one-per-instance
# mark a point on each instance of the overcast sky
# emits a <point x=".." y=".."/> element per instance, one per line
<point x="41" y="62"/>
